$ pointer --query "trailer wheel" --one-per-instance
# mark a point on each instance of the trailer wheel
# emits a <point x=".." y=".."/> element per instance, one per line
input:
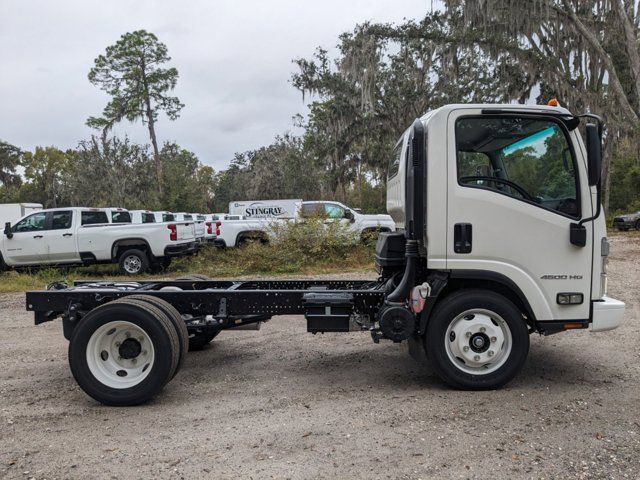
<point x="176" y="319"/>
<point x="476" y="339"/>
<point x="199" y="340"/>
<point x="124" y="352"/>
<point x="133" y="262"/>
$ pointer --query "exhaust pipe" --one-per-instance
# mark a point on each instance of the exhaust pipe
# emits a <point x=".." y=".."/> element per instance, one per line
<point x="396" y="321"/>
<point x="414" y="214"/>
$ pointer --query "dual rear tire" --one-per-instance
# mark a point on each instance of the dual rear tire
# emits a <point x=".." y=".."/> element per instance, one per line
<point x="124" y="352"/>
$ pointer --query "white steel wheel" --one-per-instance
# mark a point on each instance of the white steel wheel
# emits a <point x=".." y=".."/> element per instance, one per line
<point x="478" y="341"/>
<point x="120" y="354"/>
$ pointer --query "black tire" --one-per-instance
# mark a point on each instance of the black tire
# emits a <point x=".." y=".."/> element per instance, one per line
<point x="451" y="371"/>
<point x="176" y="319"/>
<point x="197" y="341"/>
<point x="133" y="258"/>
<point x="637" y="225"/>
<point x="193" y="277"/>
<point x="153" y="323"/>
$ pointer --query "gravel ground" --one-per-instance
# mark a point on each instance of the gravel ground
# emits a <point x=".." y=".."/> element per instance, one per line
<point x="282" y="403"/>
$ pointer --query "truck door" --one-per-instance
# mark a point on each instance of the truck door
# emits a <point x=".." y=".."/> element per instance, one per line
<point x="516" y="184"/>
<point x="27" y="246"/>
<point x="60" y="239"/>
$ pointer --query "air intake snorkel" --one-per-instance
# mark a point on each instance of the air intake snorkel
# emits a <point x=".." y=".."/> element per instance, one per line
<point x="414" y="213"/>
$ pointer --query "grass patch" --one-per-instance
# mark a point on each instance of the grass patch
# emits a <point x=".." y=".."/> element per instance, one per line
<point x="305" y="248"/>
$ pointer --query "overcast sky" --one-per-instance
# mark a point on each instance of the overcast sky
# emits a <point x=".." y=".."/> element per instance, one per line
<point x="234" y="60"/>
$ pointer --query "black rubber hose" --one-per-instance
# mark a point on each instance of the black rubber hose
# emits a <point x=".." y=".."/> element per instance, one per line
<point x="401" y="292"/>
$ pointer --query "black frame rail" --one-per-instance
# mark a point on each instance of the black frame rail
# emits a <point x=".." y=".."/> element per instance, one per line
<point x="220" y="299"/>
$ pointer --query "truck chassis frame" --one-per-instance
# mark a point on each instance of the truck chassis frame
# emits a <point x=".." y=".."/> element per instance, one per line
<point x="329" y="305"/>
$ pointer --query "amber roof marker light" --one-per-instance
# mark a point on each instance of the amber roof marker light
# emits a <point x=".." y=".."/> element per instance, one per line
<point x="553" y="102"/>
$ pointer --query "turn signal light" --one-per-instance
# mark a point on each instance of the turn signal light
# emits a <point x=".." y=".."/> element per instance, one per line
<point x="209" y="228"/>
<point x="173" y="236"/>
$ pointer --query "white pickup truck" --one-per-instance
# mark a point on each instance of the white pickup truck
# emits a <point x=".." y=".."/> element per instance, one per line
<point x="233" y="233"/>
<point x="83" y="236"/>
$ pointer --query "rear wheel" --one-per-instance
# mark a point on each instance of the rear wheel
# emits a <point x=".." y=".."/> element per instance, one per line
<point x="133" y="262"/>
<point x="637" y="224"/>
<point x="176" y="320"/>
<point x="124" y="352"/>
<point x="476" y="339"/>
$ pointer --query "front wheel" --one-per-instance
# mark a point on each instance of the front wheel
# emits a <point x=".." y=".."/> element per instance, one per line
<point x="477" y="339"/>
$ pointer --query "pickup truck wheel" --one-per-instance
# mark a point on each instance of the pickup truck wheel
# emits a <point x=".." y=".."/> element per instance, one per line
<point x="124" y="352"/>
<point x="476" y="339"/>
<point x="197" y="341"/>
<point x="176" y="319"/>
<point x="133" y="262"/>
<point x="637" y="225"/>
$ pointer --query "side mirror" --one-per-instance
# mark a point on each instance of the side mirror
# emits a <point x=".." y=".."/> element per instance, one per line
<point x="594" y="153"/>
<point x="348" y="214"/>
<point x="7" y="230"/>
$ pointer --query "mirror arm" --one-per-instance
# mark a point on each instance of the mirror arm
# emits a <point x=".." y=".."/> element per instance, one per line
<point x="598" y="207"/>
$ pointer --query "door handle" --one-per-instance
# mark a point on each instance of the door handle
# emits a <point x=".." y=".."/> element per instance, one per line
<point x="37" y="236"/>
<point x="462" y="238"/>
<point x="67" y="234"/>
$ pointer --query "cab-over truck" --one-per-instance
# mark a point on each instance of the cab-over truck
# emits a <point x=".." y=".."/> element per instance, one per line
<point x="501" y="235"/>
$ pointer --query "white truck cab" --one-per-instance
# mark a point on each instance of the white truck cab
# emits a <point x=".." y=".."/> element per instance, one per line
<point x="143" y="216"/>
<point x="499" y="208"/>
<point x="359" y="222"/>
<point x="118" y="215"/>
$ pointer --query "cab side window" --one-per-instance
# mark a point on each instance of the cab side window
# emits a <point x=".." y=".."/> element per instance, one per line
<point x="313" y="210"/>
<point x="526" y="158"/>
<point x="61" y="220"/>
<point x="333" y="211"/>
<point x="148" y="218"/>
<point x="32" y="223"/>
<point x="93" y="217"/>
<point x="120" y="217"/>
<point x="394" y="162"/>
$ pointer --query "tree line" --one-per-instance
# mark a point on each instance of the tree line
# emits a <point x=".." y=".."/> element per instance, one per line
<point x="586" y="53"/>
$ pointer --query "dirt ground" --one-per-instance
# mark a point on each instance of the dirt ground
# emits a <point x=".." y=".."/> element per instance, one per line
<point x="282" y="403"/>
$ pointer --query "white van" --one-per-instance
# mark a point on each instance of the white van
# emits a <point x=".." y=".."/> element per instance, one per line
<point x="287" y="208"/>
